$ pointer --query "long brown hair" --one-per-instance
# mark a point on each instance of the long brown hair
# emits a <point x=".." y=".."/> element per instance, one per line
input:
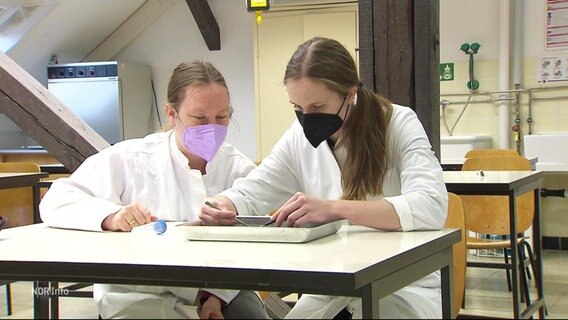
<point x="197" y="73"/>
<point x="365" y="130"/>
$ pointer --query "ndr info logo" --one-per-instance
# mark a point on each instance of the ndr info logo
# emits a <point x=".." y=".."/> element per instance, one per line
<point x="45" y="291"/>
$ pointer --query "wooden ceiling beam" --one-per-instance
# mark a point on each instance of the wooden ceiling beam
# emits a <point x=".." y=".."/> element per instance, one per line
<point x="129" y="30"/>
<point x="44" y="118"/>
<point x="206" y="23"/>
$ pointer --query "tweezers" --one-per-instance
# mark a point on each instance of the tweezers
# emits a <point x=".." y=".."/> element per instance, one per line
<point x="209" y="204"/>
<point x="272" y="221"/>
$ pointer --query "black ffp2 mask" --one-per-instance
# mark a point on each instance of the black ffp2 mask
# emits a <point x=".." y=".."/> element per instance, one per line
<point x="318" y="127"/>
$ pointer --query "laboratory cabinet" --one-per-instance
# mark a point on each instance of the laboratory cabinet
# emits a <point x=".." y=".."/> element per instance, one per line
<point x="114" y="98"/>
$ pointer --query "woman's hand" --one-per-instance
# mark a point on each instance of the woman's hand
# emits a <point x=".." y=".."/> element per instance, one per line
<point x="128" y="217"/>
<point x="217" y="211"/>
<point x="301" y="209"/>
<point x="211" y="308"/>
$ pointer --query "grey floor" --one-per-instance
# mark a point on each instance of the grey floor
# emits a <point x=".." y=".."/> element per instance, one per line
<point x="486" y="293"/>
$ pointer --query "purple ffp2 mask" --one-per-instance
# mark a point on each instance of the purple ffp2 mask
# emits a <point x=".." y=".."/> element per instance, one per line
<point x="205" y="140"/>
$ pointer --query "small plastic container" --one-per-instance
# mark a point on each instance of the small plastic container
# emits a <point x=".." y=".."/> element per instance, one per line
<point x="157" y="227"/>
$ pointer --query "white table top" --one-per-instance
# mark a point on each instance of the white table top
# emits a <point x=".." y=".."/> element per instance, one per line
<point x="488" y="177"/>
<point x="492" y="182"/>
<point x="6" y="175"/>
<point x="352" y="249"/>
<point x="356" y="261"/>
<point x="20" y="179"/>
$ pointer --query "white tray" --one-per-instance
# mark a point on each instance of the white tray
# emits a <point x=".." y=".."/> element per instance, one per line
<point x="256" y="233"/>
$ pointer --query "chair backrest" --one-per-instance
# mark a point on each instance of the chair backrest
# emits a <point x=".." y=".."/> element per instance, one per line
<point x="17" y="203"/>
<point x="456" y="219"/>
<point x="490" y="214"/>
<point x="490" y="152"/>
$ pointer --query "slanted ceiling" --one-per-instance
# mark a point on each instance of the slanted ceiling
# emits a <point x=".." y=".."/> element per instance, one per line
<point x="144" y="16"/>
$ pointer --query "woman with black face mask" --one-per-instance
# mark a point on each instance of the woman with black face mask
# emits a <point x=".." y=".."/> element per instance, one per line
<point x="351" y="155"/>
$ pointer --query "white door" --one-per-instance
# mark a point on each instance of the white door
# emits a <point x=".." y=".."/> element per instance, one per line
<point x="277" y="38"/>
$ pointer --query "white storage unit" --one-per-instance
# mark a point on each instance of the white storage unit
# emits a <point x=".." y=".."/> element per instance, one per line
<point x="114" y="98"/>
<point x="453" y="147"/>
<point x="550" y="150"/>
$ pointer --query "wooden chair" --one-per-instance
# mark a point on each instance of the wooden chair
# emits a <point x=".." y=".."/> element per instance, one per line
<point x="490" y="152"/>
<point x="489" y="215"/>
<point x="456" y="219"/>
<point x="16" y="205"/>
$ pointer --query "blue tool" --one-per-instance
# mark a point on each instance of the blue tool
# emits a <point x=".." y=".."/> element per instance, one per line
<point x="156" y="227"/>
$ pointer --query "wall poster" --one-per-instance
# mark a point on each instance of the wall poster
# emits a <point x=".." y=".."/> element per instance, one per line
<point x="556" y="24"/>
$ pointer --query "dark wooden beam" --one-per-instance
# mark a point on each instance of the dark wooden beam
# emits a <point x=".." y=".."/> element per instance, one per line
<point x="426" y="72"/>
<point x="206" y="23"/>
<point x="44" y="118"/>
<point x="394" y="51"/>
<point x="366" y="45"/>
<point x="399" y="56"/>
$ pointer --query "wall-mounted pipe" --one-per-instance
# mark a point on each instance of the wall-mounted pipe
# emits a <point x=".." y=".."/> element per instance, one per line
<point x="445" y="102"/>
<point x="507" y="95"/>
<point x="549" y="98"/>
<point x="532" y="98"/>
<point x="517" y="64"/>
<point x="518" y="32"/>
<point x="504" y="54"/>
<point x="480" y="93"/>
<point x="547" y="88"/>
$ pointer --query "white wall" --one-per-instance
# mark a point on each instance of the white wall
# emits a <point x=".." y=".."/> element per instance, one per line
<point x="463" y="21"/>
<point x="478" y="21"/>
<point x="468" y="21"/>
<point x="175" y="38"/>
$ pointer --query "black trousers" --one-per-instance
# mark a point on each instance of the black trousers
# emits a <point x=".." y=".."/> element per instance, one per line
<point x="343" y="314"/>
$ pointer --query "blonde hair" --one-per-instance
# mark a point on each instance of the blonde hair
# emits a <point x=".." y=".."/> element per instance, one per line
<point x="197" y="73"/>
<point x="365" y="130"/>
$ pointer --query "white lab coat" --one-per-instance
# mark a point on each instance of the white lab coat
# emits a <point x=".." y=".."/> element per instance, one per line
<point x="153" y="172"/>
<point x="413" y="184"/>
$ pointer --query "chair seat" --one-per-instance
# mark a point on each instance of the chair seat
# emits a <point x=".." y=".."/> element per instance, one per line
<point x="476" y="243"/>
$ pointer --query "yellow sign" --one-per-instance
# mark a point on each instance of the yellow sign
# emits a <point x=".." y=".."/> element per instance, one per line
<point x="258" y="5"/>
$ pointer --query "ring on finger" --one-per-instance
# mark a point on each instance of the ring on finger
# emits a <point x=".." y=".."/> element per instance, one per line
<point x="131" y="223"/>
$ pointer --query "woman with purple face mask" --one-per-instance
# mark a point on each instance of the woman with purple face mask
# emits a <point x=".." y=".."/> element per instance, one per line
<point x="200" y="122"/>
<point x="165" y="175"/>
